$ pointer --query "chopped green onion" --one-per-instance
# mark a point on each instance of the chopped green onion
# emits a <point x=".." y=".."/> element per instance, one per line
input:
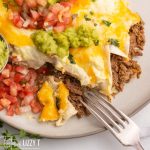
<point x="70" y="57"/>
<point x="107" y="23"/>
<point x="114" y="42"/>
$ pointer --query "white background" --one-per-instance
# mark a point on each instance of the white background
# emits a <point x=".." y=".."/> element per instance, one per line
<point x="101" y="141"/>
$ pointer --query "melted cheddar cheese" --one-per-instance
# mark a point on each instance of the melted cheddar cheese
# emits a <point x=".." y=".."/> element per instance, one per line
<point x="96" y="63"/>
<point x="64" y="109"/>
<point x="63" y="94"/>
<point x="45" y="95"/>
<point x="114" y="11"/>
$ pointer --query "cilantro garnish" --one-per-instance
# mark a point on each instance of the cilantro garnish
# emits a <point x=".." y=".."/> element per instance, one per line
<point x="107" y="23"/>
<point x="87" y="18"/>
<point x="114" y="42"/>
<point x="70" y="57"/>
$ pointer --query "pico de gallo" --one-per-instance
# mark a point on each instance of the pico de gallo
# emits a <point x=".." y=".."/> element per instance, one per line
<point x="18" y="87"/>
<point x="40" y="14"/>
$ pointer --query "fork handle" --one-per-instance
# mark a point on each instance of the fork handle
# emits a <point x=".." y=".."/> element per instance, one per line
<point x="138" y="146"/>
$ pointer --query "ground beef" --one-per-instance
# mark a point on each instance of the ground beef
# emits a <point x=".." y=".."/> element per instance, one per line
<point x="137" y="39"/>
<point x="123" y="71"/>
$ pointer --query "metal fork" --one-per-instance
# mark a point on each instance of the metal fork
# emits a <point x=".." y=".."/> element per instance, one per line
<point x="121" y="126"/>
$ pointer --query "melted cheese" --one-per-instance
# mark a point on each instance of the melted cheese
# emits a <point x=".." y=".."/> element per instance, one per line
<point x="66" y="109"/>
<point x="12" y="34"/>
<point x="63" y="94"/>
<point x="114" y="11"/>
<point x="45" y="95"/>
<point x="96" y="63"/>
<point x="79" y="5"/>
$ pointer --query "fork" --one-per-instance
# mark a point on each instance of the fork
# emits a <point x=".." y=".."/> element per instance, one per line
<point x="120" y="125"/>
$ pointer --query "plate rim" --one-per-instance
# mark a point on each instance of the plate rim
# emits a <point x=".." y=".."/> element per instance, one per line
<point x="100" y="130"/>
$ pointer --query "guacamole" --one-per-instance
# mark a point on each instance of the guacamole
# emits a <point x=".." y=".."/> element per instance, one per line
<point x="45" y="42"/>
<point x="59" y="43"/>
<point x="3" y="54"/>
<point x="73" y="38"/>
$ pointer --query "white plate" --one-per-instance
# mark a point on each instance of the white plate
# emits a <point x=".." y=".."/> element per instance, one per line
<point x="135" y="95"/>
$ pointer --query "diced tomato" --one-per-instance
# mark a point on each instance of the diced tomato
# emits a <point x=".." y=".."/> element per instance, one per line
<point x="31" y="3"/>
<point x="1" y="107"/>
<point x="66" y="20"/>
<point x="9" y="67"/>
<point x="18" y="77"/>
<point x="1" y="77"/>
<point x="4" y="102"/>
<point x="13" y="89"/>
<point x="15" y="17"/>
<point x="20" y="23"/>
<point x="5" y="73"/>
<point x="26" y="23"/>
<point x="12" y="74"/>
<point x="66" y="4"/>
<point x="22" y="69"/>
<point x="3" y="92"/>
<point x="50" y="23"/>
<point x="60" y="27"/>
<point x="27" y="89"/>
<point x="12" y="99"/>
<point x="32" y="24"/>
<point x="56" y="8"/>
<point x="33" y="75"/>
<point x="8" y="81"/>
<point x="19" y="2"/>
<point x="50" y="16"/>
<point x="34" y="14"/>
<point x="17" y="109"/>
<point x="27" y="77"/>
<point x="27" y="99"/>
<point x="19" y="87"/>
<point x="35" y="89"/>
<point x="21" y="94"/>
<point x="10" y="110"/>
<point x="35" y="106"/>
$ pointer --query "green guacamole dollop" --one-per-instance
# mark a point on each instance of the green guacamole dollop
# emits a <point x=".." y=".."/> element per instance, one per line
<point x="3" y="54"/>
<point x="73" y="38"/>
<point x="60" y="43"/>
<point x="45" y="42"/>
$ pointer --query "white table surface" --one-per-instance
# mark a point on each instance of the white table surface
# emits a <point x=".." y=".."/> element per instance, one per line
<point x="101" y="141"/>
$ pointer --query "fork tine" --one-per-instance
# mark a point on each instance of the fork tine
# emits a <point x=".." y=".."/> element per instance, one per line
<point x="111" y="121"/>
<point x="104" y="106"/>
<point x="122" y="115"/>
<point x="104" y="111"/>
<point x="98" y="117"/>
